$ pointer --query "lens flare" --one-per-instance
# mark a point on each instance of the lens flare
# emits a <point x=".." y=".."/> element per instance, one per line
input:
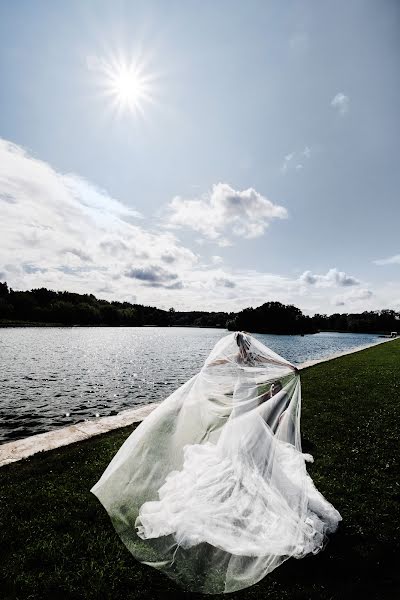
<point x="129" y="88"/>
<point x="128" y="84"/>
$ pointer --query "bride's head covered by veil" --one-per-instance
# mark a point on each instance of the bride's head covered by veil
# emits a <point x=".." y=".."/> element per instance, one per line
<point x="244" y="350"/>
<point x="243" y="341"/>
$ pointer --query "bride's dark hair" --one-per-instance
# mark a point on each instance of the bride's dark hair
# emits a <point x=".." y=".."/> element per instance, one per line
<point x="243" y="343"/>
<point x="242" y="340"/>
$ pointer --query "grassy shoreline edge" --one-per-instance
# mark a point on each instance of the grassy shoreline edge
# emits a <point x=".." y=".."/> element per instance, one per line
<point x="57" y="542"/>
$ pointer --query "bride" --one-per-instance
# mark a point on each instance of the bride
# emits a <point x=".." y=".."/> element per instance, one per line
<point x="212" y="487"/>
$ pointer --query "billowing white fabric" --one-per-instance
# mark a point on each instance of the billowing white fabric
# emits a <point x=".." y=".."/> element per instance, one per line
<point x="212" y="487"/>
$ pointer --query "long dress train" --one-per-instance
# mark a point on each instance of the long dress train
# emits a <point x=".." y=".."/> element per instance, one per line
<point x="212" y="487"/>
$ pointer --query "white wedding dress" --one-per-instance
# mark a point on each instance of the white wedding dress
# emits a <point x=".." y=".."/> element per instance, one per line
<point x="212" y="487"/>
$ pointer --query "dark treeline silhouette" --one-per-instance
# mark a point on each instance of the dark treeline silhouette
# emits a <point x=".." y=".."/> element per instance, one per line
<point x="377" y="321"/>
<point x="67" y="308"/>
<point x="43" y="306"/>
<point x="272" y="317"/>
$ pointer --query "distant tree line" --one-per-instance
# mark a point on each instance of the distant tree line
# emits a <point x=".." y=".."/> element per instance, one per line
<point x="272" y="317"/>
<point x="43" y="306"/>
<point x="67" y="308"/>
<point x="376" y="321"/>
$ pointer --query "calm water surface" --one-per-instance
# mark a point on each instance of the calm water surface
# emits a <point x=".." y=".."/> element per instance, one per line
<point x="53" y="377"/>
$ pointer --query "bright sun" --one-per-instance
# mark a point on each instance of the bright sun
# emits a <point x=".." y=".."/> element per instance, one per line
<point x="129" y="88"/>
<point x="128" y="85"/>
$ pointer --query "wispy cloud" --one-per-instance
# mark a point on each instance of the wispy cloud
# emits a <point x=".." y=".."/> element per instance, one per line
<point x="355" y="296"/>
<point x="341" y="103"/>
<point x="286" y="162"/>
<point x="225" y="211"/>
<point x="390" y="260"/>
<point x="295" y="160"/>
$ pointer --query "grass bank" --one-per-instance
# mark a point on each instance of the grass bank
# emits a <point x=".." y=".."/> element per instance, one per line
<point x="57" y="543"/>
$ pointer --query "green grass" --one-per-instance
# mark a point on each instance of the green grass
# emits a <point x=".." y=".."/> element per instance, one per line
<point x="57" y="542"/>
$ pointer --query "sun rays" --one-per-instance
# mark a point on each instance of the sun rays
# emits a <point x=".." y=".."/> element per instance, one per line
<point x="128" y="84"/>
<point x="129" y="87"/>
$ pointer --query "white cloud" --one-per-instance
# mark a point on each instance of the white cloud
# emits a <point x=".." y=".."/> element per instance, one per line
<point x="306" y="152"/>
<point x="355" y="296"/>
<point x="153" y="276"/>
<point x="299" y="167"/>
<point x="341" y="103"/>
<point x="332" y="278"/>
<point x="61" y="232"/>
<point x="390" y="260"/>
<point x="308" y="277"/>
<point x="224" y="282"/>
<point x="225" y="211"/>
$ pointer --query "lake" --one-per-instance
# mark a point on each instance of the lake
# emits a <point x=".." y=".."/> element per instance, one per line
<point x="53" y="377"/>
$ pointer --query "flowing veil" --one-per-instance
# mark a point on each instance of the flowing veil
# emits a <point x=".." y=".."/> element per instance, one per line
<point x="212" y="487"/>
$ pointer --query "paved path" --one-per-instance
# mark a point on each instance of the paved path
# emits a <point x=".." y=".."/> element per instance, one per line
<point x="13" y="451"/>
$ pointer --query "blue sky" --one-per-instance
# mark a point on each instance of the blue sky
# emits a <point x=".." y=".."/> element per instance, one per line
<point x="263" y="165"/>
